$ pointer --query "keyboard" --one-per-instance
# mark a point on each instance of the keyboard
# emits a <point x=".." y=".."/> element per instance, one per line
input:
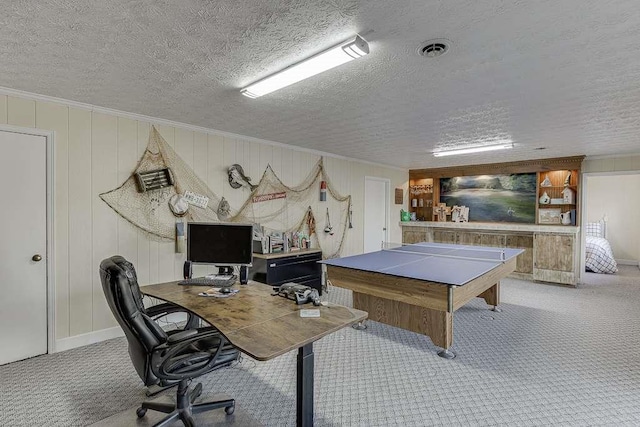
<point x="214" y="281"/>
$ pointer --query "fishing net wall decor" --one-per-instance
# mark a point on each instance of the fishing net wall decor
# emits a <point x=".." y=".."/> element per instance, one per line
<point x="277" y="206"/>
<point x="272" y="204"/>
<point x="150" y="210"/>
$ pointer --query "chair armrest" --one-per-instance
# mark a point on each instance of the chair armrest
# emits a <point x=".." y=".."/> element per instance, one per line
<point x="163" y="355"/>
<point x="183" y="335"/>
<point x="164" y="309"/>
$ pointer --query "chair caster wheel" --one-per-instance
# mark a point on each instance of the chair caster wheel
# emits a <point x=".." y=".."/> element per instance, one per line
<point x="141" y="412"/>
<point x="230" y="409"/>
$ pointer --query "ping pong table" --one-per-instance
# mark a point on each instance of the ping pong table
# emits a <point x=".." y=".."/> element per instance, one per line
<point x="419" y="286"/>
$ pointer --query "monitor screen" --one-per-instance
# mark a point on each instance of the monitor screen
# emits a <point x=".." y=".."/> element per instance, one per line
<point x="220" y="243"/>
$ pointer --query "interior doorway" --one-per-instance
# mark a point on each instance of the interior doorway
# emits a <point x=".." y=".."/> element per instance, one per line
<point x="376" y="213"/>
<point x="25" y="249"/>
<point x="614" y="198"/>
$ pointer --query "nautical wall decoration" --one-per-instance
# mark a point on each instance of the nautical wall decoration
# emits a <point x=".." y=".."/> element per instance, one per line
<point x="282" y="208"/>
<point x="224" y="209"/>
<point x="298" y="209"/>
<point x="323" y="191"/>
<point x="238" y="179"/>
<point x="328" y="228"/>
<point x="150" y="210"/>
<point x="178" y="205"/>
<point x="153" y="180"/>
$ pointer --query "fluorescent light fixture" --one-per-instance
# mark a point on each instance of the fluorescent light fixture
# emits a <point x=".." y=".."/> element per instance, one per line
<point x="476" y="149"/>
<point x="347" y="51"/>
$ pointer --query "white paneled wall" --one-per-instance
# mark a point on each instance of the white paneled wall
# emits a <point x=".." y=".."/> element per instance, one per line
<point x="611" y="163"/>
<point x="96" y="151"/>
<point x="617" y="197"/>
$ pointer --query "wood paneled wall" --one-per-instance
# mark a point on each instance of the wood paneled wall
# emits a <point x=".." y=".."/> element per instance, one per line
<point x="96" y="152"/>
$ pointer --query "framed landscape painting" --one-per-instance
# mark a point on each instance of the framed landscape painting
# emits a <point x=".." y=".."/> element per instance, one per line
<point x="493" y="198"/>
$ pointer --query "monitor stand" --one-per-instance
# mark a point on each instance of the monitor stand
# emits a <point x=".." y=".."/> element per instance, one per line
<point x="225" y="270"/>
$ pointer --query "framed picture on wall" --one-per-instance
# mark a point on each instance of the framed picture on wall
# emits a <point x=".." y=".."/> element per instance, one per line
<point x="399" y="196"/>
<point x="549" y="216"/>
<point x="493" y="198"/>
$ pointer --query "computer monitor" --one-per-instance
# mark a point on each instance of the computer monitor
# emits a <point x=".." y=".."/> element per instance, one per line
<point x="220" y="244"/>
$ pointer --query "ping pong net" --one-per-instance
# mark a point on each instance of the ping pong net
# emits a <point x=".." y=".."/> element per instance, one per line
<point x="477" y="253"/>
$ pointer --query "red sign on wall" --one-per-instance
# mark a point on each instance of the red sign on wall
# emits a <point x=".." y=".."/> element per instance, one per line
<point x="271" y="196"/>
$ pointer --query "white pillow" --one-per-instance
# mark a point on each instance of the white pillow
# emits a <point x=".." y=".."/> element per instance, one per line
<point x="594" y="229"/>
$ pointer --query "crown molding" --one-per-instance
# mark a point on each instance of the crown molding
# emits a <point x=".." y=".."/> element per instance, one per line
<point x="524" y="166"/>
<point x="610" y="156"/>
<point x="186" y="126"/>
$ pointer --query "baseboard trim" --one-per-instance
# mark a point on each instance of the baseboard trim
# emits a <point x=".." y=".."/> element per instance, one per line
<point x="88" y="338"/>
<point x="628" y="262"/>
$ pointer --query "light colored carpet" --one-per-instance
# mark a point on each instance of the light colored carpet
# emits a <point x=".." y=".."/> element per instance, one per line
<point x="554" y="356"/>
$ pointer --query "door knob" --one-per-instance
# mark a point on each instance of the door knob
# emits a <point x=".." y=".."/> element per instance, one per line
<point x="36" y="257"/>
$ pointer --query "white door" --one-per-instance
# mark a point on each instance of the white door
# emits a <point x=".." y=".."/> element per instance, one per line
<point x="23" y="217"/>
<point x="376" y="207"/>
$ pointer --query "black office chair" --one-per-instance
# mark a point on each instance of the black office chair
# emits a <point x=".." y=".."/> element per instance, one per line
<point x="163" y="357"/>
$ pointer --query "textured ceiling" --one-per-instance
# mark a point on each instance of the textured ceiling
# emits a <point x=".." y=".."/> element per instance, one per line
<point x="564" y="75"/>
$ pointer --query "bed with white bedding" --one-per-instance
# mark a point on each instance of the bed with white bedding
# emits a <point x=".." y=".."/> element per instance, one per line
<point x="598" y="254"/>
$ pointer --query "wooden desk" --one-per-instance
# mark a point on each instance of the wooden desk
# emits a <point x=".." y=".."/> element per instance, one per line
<point x="264" y="326"/>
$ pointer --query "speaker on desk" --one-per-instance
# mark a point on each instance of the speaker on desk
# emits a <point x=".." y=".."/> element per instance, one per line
<point x="186" y="270"/>
<point x="244" y="274"/>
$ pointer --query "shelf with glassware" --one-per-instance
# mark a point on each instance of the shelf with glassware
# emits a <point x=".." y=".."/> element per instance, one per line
<point x="557" y="197"/>
<point x="421" y="197"/>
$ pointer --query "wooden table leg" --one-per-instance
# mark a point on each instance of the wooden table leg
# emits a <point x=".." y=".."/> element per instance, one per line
<point x="492" y="296"/>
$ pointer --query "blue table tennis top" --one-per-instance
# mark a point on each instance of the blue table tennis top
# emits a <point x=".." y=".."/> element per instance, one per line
<point x="434" y="262"/>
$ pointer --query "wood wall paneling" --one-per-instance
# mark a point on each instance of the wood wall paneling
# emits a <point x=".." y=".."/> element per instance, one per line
<point x="143" y="266"/>
<point x="96" y="152"/>
<point x="166" y="250"/>
<point x="127" y="161"/>
<point x="200" y="155"/>
<point x="104" y="177"/>
<point x="56" y="118"/>
<point x="81" y="267"/>
<point x="21" y="112"/>
<point x="266" y="157"/>
<point x="185" y="147"/>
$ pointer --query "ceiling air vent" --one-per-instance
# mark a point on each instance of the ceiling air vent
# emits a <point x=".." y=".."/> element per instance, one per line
<point x="433" y="48"/>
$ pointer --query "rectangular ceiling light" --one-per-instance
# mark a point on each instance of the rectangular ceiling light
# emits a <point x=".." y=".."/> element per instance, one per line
<point x="352" y="49"/>
<point x="476" y="149"/>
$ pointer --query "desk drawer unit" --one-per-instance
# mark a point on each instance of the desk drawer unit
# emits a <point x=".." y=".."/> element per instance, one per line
<point x="276" y="269"/>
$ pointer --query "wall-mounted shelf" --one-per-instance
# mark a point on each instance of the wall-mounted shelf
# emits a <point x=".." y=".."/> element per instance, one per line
<point x="556" y="190"/>
<point x="556" y="170"/>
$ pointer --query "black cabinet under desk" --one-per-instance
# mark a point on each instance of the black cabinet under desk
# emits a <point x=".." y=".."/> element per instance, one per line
<point x="298" y="266"/>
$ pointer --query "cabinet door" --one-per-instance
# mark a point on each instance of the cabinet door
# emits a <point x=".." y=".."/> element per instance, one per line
<point x="442" y="236"/>
<point x="410" y="236"/>
<point x="553" y="252"/>
<point x="495" y="240"/>
<point x="468" y="238"/>
<point x="524" y="262"/>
